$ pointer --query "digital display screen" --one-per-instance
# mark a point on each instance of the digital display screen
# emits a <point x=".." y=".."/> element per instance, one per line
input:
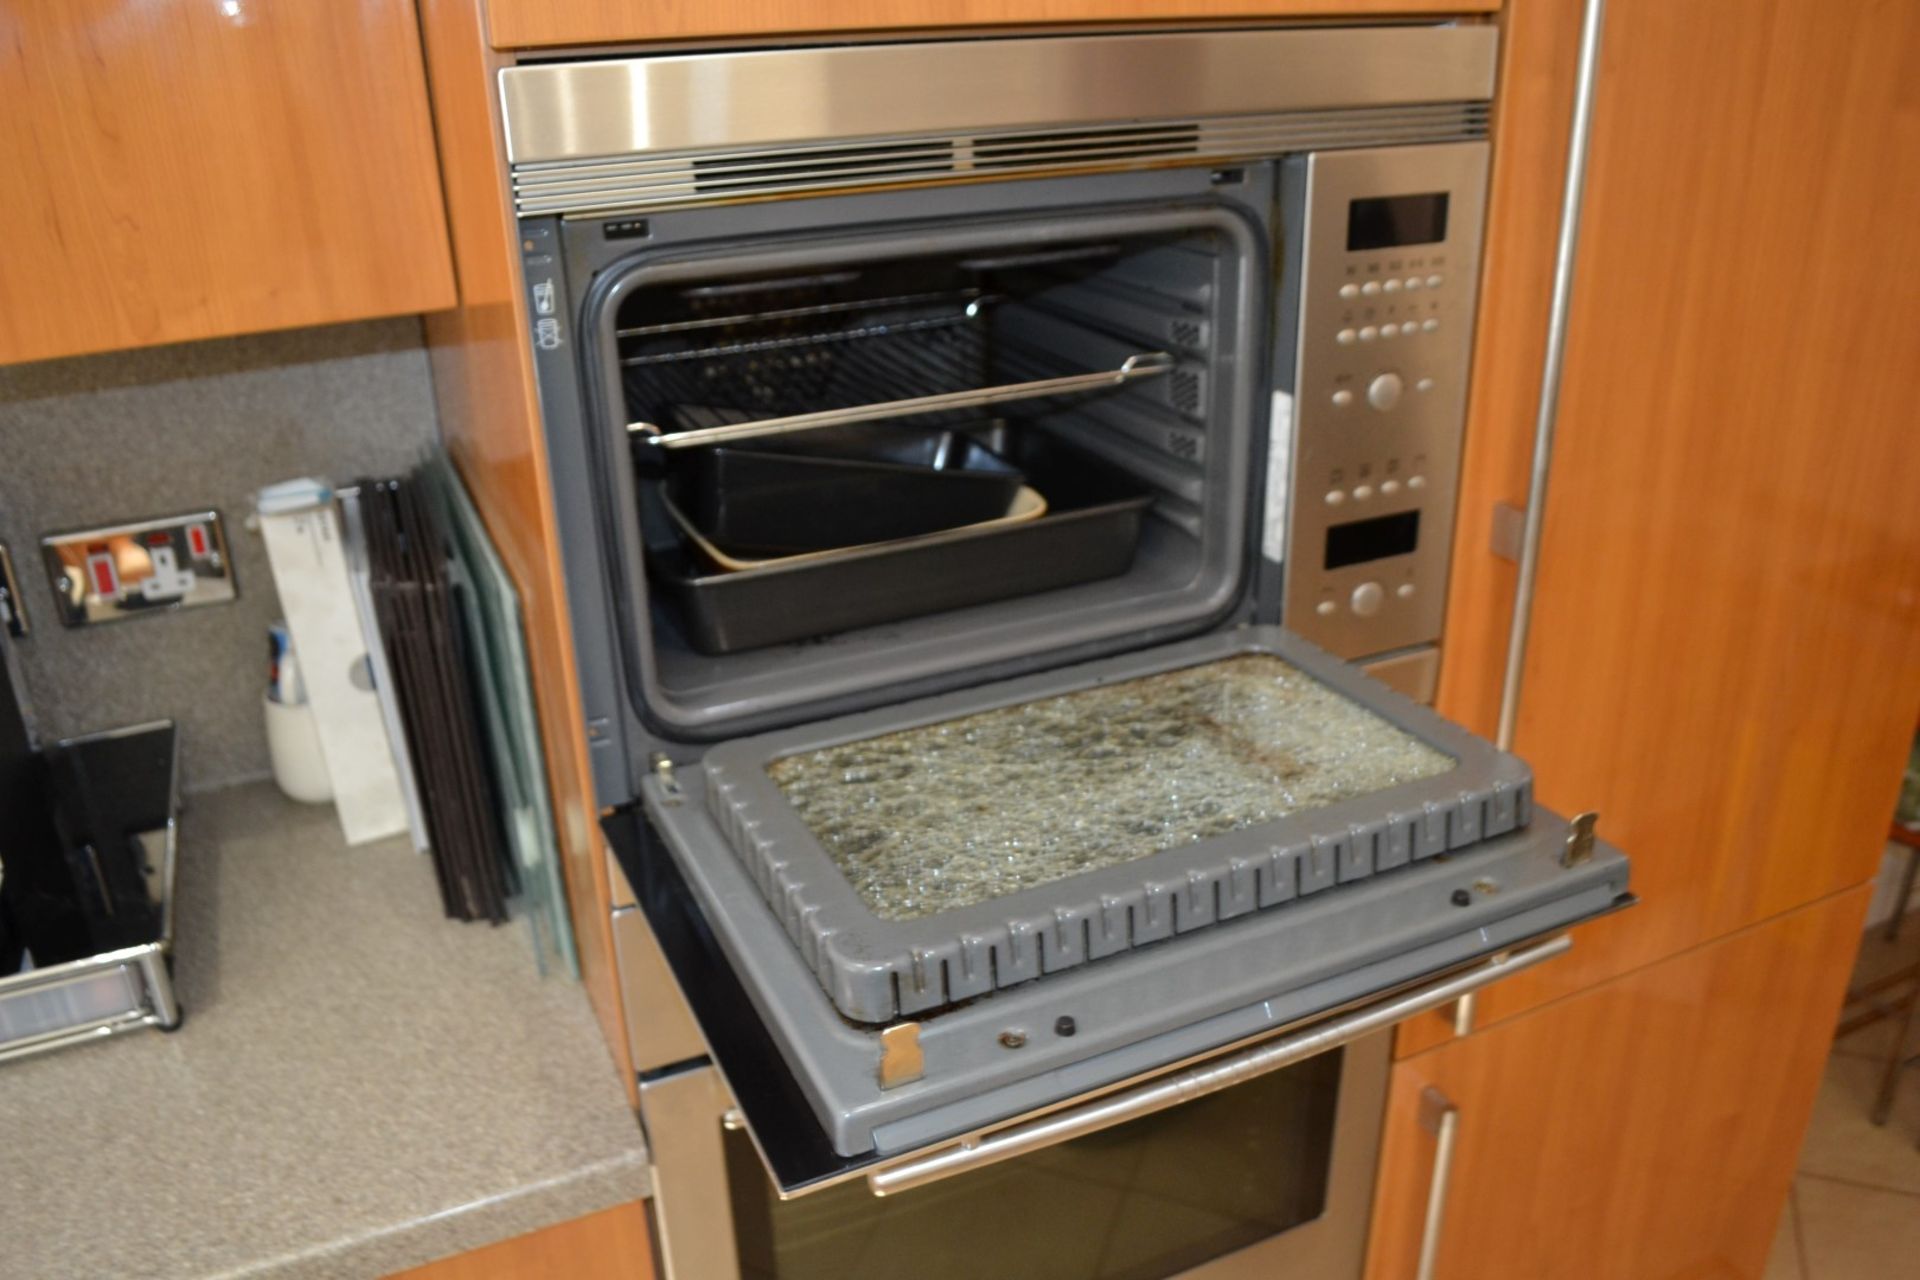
<point x="1362" y="540"/>
<point x="1387" y="222"/>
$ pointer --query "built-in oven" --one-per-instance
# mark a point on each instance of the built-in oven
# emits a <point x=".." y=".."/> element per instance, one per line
<point x="983" y="469"/>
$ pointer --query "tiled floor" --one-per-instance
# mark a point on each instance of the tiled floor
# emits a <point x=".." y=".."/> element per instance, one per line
<point x="1855" y="1209"/>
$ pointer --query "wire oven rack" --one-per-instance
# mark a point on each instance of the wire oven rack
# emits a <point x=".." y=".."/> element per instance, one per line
<point x="905" y="358"/>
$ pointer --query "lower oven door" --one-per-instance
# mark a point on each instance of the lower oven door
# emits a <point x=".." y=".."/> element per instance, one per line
<point x="1270" y="1178"/>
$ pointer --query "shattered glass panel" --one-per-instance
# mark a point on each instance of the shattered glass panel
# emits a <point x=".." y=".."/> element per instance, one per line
<point x="951" y="814"/>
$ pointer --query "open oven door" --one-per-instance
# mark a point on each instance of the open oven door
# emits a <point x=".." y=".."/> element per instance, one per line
<point x="1393" y="903"/>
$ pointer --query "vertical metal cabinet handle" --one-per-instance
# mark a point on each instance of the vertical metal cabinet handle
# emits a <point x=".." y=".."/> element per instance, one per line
<point x="1441" y="1118"/>
<point x="1547" y="416"/>
<point x="1198" y="1081"/>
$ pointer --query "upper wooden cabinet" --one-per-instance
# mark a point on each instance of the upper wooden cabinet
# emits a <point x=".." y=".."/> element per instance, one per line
<point x="1725" y="653"/>
<point x="525" y="23"/>
<point x="182" y="169"/>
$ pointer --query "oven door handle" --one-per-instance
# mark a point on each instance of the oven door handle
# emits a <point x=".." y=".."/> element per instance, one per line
<point x="1198" y="1081"/>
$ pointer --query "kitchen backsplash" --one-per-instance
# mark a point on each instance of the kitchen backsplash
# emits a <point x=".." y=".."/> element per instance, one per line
<point x="99" y="439"/>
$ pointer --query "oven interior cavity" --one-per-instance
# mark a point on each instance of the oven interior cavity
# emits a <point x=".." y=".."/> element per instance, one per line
<point x="889" y="460"/>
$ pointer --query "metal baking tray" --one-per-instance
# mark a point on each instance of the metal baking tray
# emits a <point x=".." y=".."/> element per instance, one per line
<point x="1090" y="531"/>
<point x="761" y="503"/>
<point x="1027" y="505"/>
<point x="129" y="987"/>
<point x="876" y="965"/>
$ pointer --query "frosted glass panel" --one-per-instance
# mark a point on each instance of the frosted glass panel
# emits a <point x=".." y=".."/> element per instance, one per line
<point x="959" y="812"/>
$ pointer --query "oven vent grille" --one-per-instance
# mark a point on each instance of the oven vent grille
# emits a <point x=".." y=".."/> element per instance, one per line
<point x="1021" y="150"/>
<point x="610" y="184"/>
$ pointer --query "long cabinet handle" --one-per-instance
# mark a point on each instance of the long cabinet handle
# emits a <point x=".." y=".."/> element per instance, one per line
<point x="1442" y="1119"/>
<point x="1208" y="1077"/>
<point x="1547" y="416"/>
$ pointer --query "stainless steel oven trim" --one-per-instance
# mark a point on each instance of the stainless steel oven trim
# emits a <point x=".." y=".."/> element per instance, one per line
<point x="625" y="184"/>
<point x="573" y="110"/>
<point x="1134" y="1099"/>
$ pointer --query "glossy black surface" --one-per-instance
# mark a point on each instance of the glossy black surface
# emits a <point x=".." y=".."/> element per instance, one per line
<point x="81" y="843"/>
<point x="1143" y="1201"/>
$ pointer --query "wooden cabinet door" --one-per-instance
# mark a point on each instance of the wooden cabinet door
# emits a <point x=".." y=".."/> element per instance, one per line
<point x="1725" y="652"/>
<point x="1646" y="1129"/>
<point x="181" y="169"/>
<point x="610" y="1245"/>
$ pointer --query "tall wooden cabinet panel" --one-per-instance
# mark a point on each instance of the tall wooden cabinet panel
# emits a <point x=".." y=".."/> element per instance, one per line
<point x="181" y="169"/>
<point x="1644" y="1130"/>
<point x="483" y="384"/>
<point x="1725" y="658"/>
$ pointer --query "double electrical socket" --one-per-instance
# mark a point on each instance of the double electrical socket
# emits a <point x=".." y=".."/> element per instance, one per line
<point x="131" y="570"/>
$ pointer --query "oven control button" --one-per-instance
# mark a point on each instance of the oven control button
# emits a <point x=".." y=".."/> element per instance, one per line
<point x="1325" y="608"/>
<point x="1416" y="482"/>
<point x="1342" y="398"/>
<point x="1368" y="333"/>
<point x="1367" y="599"/>
<point x="1391" y="286"/>
<point x="1361" y="492"/>
<point x="1433" y="282"/>
<point x="1404" y="591"/>
<point x="1425" y="384"/>
<point x="1389" y="487"/>
<point x="1344" y="337"/>
<point x="1384" y="391"/>
<point x="1335" y="497"/>
<point x="1429" y="325"/>
<point x="1413" y="282"/>
<point x="1370" y="288"/>
<point x="1349" y="290"/>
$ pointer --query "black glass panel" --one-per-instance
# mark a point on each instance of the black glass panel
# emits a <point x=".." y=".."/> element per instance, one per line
<point x="1143" y="1201"/>
<point x="1387" y="222"/>
<point x="1362" y="540"/>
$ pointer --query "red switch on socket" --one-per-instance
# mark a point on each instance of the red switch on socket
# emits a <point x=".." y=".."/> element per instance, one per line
<point x="197" y="544"/>
<point x="103" y="574"/>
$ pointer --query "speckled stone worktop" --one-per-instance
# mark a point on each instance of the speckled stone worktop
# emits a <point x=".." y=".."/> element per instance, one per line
<point x="360" y="1085"/>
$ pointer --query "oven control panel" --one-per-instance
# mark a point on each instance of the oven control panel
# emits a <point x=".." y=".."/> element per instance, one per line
<point x="1378" y="307"/>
